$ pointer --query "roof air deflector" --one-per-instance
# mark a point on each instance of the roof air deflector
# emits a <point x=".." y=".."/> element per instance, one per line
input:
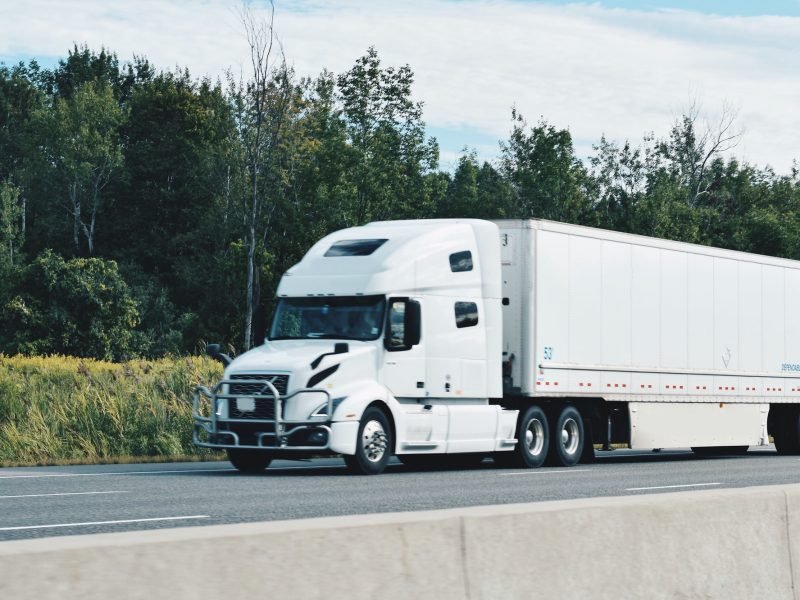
<point x="355" y="247"/>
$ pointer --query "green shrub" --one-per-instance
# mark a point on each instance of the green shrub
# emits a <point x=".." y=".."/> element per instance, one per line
<point x="81" y="307"/>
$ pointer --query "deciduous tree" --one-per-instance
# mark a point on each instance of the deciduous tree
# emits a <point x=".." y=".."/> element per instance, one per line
<point x="390" y="154"/>
<point x="546" y="177"/>
<point x="260" y="108"/>
<point x="79" y="139"/>
<point x="80" y="307"/>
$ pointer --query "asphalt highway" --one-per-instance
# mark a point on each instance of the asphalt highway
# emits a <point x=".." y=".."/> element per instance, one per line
<point x="52" y="501"/>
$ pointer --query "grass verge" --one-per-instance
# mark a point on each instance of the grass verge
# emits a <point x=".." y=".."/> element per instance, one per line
<point x="65" y="410"/>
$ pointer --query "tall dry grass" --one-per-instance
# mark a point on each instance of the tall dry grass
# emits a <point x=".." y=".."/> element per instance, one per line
<point x="62" y="409"/>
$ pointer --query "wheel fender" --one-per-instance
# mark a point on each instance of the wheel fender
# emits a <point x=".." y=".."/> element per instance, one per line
<point x="347" y="416"/>
<point x="343" y="437"/>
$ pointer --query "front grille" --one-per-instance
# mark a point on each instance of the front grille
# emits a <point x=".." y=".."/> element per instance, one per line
<point x="281" y="383"/>
<point x="265" y="405"/>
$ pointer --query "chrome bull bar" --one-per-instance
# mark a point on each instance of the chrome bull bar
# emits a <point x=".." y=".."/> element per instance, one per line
<point x="282" y="429"/>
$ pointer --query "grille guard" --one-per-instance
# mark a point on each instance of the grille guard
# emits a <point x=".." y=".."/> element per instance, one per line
<point x="283" y="429"/>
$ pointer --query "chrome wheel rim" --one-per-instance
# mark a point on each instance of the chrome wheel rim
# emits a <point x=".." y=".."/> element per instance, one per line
<point x="570" y="436"/>
<point x="373" y="441"/>
<point x="534" y="437"/>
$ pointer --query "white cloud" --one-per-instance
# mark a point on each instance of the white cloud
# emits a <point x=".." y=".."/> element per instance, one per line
<point x="591" y="69"/>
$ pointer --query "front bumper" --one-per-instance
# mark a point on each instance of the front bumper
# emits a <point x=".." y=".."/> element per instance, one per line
<point x="274" y="434"/>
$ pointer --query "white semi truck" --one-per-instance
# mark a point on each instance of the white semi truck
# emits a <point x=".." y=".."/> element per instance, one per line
<point x="446" y="341"/>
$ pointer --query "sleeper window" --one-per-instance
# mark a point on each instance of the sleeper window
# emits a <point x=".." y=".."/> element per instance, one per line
<point x="461" y="261"/>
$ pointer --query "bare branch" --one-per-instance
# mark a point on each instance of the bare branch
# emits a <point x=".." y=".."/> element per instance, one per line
<point x="720" y="139"/>
<point x="262" y="104"/>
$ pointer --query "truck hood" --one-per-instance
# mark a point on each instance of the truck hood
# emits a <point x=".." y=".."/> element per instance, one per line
<point x="294" y="357"/>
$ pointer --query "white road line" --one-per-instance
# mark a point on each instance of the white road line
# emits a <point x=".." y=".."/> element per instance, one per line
<point x="60" y="494"/>
<point x="115" y="473"/>
<point x="37" y="476"/>
<point x="667" y="487"/>
<point x="546" y="472"/>
<point x="103" y="523"/>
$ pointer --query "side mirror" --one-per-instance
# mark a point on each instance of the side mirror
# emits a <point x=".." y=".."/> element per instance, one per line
<point x="403" y="324"/>
<point x="215" y="352"/>
<point x="413" y="324"/>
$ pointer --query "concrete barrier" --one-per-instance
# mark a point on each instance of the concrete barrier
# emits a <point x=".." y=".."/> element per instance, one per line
<point x="740" y="543"/>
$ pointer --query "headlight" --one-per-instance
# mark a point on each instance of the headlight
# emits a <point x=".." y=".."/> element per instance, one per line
<point x="220" y="407"/>
<point x="322" y="409"/>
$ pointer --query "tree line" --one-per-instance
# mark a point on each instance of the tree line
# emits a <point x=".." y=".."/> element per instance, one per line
<point x="144" y="212"/>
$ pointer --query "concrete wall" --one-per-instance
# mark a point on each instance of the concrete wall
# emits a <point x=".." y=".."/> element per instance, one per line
<point x="723" y="544"/>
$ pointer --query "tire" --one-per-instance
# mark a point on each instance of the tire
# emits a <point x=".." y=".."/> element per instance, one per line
<point x="533" y="441"/>
<point x="373" y="445"/>
<point x="568" y="438"/>
<point x="249" y="461"/>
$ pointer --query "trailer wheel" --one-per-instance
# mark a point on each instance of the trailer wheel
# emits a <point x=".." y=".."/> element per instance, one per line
<point x="568" y="438"/>
<point x="373" y="447"/>
<point x="533" y="441"/>
<point x="248" y="461"/>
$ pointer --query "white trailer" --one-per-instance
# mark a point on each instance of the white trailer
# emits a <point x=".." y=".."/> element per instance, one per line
<point x="445" y="341"/>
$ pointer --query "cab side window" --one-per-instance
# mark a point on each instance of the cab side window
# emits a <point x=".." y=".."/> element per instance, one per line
<point x="466" y="314"/>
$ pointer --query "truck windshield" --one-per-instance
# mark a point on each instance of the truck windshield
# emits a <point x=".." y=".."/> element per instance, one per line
<point x="344" y="317"/>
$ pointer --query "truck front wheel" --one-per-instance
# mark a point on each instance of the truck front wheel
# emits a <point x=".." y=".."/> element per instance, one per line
<point x="568" y="438"/>
<point x="374" y="444"/>
<point x="248" y="461"/>
<point x="533" y="441"/>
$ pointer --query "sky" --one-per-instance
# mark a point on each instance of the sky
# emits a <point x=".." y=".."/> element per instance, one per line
<point x="615" y="68"/>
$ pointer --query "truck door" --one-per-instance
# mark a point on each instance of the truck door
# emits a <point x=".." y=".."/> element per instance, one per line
<point x="404" y="360"/>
